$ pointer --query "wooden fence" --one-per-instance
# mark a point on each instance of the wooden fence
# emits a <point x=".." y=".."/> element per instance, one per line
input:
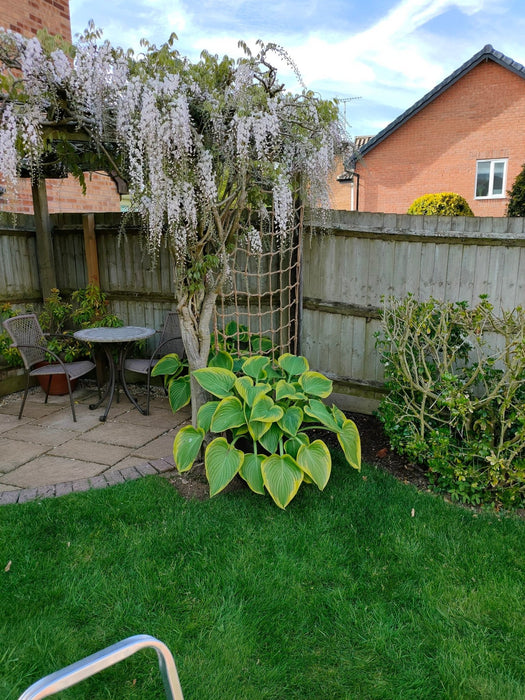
<point x="353" y="259"/>
<point x="350" y="261"/>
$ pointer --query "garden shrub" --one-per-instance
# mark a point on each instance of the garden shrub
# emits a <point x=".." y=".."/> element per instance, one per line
<point x="456" y="395"/>
<point x="441" y="204"/>
<point x="516" y="205"/>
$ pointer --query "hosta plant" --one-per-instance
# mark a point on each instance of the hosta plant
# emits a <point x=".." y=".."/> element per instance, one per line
<point x="261" y="416"/>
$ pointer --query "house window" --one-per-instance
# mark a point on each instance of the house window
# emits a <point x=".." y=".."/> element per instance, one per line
<point x="491" y="176"/>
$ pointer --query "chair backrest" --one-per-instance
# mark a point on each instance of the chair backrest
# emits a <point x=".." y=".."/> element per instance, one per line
<point x="25" y="330"/>
<point x="171" y="336"/>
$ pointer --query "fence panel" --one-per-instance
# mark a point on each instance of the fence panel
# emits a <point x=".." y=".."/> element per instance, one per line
<point x="352" y="259"/>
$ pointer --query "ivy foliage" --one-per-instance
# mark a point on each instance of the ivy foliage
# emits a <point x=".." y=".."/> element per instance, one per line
<point x="456" y="395"/>
<point x="441" y="204"/>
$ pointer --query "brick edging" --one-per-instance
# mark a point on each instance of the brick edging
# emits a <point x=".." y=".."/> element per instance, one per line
<point x="102" y="481"/>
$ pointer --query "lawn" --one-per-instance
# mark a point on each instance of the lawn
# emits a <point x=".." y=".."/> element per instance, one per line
<point x="368" y="590"/>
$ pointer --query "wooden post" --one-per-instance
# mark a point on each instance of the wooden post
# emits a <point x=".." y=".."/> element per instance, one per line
<point x="44" y="242"/>
<point x="90" y="244"/>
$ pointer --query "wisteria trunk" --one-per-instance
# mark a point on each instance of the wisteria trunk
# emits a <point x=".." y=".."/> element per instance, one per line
<point x="196" y="336"/>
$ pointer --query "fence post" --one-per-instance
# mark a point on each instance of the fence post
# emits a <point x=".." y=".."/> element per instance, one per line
<point x="90" y="244"/>
<point x="44" y="241"/>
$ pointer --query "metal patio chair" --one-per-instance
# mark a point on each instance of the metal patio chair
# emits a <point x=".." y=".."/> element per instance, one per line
<point x="29" y="339"/>
<point x="170" y="341"/>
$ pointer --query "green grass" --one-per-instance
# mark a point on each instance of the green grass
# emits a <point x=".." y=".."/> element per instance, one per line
<point x="343" y="595"/>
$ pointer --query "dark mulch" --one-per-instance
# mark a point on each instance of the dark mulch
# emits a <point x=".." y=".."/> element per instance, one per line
<point x="374" y="447"/>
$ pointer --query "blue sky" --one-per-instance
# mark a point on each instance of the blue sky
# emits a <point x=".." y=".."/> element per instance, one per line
<point x="387" y="53"/>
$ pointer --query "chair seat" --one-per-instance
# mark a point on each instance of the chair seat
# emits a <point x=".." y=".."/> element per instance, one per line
<point x="139" y="365"/>
<point x="73" y="369"/>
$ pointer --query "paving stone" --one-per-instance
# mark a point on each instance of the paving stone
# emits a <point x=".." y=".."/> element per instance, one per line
<point x="53" y="470"/>
<point x="157" y="448"/>
<point x="162" y="465"/>
<point x="156" y="419"/>
<point x="114" y="477"/>
<point x="46" y="491"/>
<point x="41" y="435"/>
<point x="8" y="422"/>
<point x="98" y="482"/>
<point x="86" y="450"/>
<point x="81" y="485"/>
<point x="130" y="473"/>
<point x="13" y="453"/>
<point x="146" y="469"/>
<point x="64" y="488"/>
<point x="32" y="409"/>
<point x="124" y="434"/>
<point x="27" y="495"/>
<point x="7" y="487"/>
<point x="86" y="420"/>
<point x="8" y="497"/>
<point x="125" y="463"/>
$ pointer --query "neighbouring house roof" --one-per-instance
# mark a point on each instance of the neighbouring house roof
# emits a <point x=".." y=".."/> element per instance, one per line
<point x="486" y="53"/>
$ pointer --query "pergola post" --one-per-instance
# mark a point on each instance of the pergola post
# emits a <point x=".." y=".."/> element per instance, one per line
<point x="90" y="245"/>
<point x="44" y="242"/>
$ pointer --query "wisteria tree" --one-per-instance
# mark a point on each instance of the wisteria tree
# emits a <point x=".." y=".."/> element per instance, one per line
<point x="211" y="150"/>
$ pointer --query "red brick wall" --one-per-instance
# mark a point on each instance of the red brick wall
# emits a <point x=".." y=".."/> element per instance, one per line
<point x="27" y="17"/>
<point x="479" y="117"/>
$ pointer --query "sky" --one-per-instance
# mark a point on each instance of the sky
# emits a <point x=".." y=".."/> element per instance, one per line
<point x="378" y="56"/>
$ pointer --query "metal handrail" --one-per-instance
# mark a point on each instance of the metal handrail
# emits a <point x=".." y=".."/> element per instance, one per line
<point x="85" y="668"/>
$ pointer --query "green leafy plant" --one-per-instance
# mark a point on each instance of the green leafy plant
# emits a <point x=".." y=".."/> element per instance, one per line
<point x="441" y="204"/>
<point x="236" y="339"/>
<point x="456" y="395"/>
<point x="60" y="318"/>
<point x="10" y="355"/>
<point x="266" y="410"/>
<point x="176" y="379"/>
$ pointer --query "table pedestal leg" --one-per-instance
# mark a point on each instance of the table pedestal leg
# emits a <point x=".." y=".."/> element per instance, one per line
<point x="110" y="389"/>
<point x="122" y="360"/>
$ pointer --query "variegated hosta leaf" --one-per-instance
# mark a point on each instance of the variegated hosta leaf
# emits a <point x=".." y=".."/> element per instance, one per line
<point x="242" y="385"/>
<point x="285" y="390"/>
<point x="270" y="439"/>
<point x="255" y="366"/>
<point x="255" y="391"/>
<point x="186" y="447"/>
<point x="261" y="344"/>
<point x="205" y="415"/>
<point x="316" y="409"/>
<point x="315" y="460"/>
<point x="282" y="478"/>
<point x="350" y="441"/>
<point x="264" y="409"/>
<point x="169" y="364"/>
<point x="292" y="446"/>
<point x="338" y="415"/>
<point x="222" y="462"/>
<point x="316" y="384"/>
<point x="291" y="420"/>
<point x="216" y="380"/>
<point x="221" y="359"/>
<point x="251" y="472"/>
<point x="293" y="364"/>
<point x="179" y="392"/>
<point x="257" y="429"/>
<point x="228" y="414"/>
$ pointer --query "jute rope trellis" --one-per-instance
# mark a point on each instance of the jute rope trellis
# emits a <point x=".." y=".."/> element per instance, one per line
<point x="261" y="302"/>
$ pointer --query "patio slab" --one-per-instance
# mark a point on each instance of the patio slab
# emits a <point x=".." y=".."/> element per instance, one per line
<point x="15" y="452"/>
<point x="52" y="470"/>
<point x="125" y="434"/>
<point x="86" y="450"/>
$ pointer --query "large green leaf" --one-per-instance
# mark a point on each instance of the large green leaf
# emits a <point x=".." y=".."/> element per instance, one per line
<point x="285" y="390"/>
<point x="291" y="420"/>
<point x="338" y="415"/>
<point x="265" y="410"/>
<point x="293" y="364"/>
<point x="282" y="478"/>
<point x="316" y="384"/>
<point x="255" y="366"/>
<point x="257" y="429"/>
<point x="222" y="462"/>
<point x="261" y="344"/>
<point x="216" y="380"/>
<point x="316" y="409"/>
<point x="293" y="445"/>
<point x="350" y="441"/>
<point x="179" y="392"/>
<point x="186" y="447"/>
<point x="169" y="364"/>
<point x="270" y="439"/>
<point x="221" y="359"/>
<point x="315" y="460"/>
<point x="242" y="386"/>
<point x="228" y="414"/>
<point x="258" y="390"/>
<point x="251" y="472"/>
<point x="205" y="415"/>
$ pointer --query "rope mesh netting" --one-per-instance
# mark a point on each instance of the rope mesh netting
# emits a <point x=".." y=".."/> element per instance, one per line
<point x="258" y="311"/>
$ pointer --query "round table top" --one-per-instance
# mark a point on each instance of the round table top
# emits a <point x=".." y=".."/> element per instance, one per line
<point x="104" y="334"/>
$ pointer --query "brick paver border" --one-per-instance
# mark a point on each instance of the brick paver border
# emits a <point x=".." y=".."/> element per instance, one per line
<point x="111" y="478"/>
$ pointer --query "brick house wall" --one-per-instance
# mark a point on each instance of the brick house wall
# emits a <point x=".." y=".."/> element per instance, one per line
<point x="27" y="17"/>
<point x="478" y="117"/>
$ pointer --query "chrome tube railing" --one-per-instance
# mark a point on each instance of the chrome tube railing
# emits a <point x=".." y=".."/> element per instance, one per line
<point x="85" y="668"/>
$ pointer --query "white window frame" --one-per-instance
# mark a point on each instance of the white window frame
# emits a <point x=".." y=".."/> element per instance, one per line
<point x="490" y="194"/>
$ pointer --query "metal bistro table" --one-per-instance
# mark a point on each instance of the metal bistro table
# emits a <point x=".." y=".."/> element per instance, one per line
<point x="108" y="339"/>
